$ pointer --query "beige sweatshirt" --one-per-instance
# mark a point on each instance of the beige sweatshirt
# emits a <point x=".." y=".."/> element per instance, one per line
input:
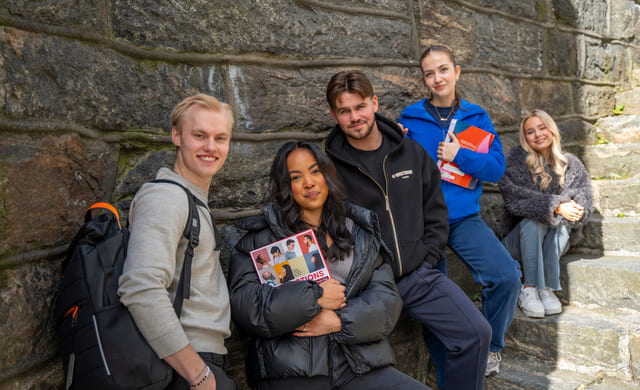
<point x="151" y="273"/>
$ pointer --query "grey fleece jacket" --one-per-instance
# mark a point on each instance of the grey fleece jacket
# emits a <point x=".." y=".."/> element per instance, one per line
<point x="151" y="273"/>
<point x="523" y="198"/>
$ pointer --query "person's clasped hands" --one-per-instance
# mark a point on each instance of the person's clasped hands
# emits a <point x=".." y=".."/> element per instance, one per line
<point x="327" y="321"/>
<point x="571" y="211"/>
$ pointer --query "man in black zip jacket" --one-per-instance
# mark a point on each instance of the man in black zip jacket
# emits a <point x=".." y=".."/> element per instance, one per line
<point x="395" y="177"/>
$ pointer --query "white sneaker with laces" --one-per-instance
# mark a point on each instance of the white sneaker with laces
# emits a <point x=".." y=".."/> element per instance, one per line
<point x="550" y="302"/>
<point x="493" y="364"/>
<point x="530" y="304"/>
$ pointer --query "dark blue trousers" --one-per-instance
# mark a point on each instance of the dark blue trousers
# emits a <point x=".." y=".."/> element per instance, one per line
<point x="448" y="315"/>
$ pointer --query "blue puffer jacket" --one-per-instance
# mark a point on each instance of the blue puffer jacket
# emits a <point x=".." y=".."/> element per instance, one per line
<point x="269" y="315"/>
<point x="484" y="166"/>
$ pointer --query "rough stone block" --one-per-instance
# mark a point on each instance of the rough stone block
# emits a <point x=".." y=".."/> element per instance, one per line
<point x="584" y="277"/>
<point x="522" y="373"/>
<point x="270" y="99"/>
<point x="278" y="27"/>
<point x="498" y="95"/>
<point x="611" y="161"/>
<point x="508" y="45"/>
<point x="611" y="235"/>
<point x="616" y="197"/>
<point x="46" y="184"/>
<point x="243" y="182"/>
<point x="583" y="14"/>
<point x="592" y="100"/>
<point x="68" y="13"/>
<point x="491" y="205"/>
<point x="576" y="132"/>
<point x="534" y="10"/>
<point x="605" y="62"/>
<point x="49" y="376"/>
<point x="631" y="101"/>
<point x="560" y="53"/>
<point x="509" y="139"/>
<point x="275" y="100"/>
<point x="580" y="337"/>
<point x="450" y="24"/>
<point x="620" y="128"/>
<point x="26" y="316"/>
<point x="46" y="77"/>
<point x="625" y="20"/>
<point x="554" y="97"/>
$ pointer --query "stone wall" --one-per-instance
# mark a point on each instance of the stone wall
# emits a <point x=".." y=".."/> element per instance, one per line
<point x="86" y="89"/>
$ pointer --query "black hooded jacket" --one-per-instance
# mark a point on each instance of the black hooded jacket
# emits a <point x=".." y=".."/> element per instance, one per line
<point x="410" y="206"/>
<point x="270" y="315"/>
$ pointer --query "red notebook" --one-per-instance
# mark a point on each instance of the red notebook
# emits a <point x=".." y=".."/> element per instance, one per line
<point x="470" y="137"/>
<point x="296" y="257"/>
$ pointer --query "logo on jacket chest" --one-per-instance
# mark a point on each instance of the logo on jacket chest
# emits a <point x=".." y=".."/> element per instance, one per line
<point x="402" y="174"/>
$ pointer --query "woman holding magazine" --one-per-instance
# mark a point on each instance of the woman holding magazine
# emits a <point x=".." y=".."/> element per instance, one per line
<point x="332" y="335"/>
<point x="470" y="238"/>
<point x="547" y="199"/>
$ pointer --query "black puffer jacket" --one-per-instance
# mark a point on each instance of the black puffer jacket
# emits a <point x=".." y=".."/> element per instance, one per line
<point x="270" y="315"/>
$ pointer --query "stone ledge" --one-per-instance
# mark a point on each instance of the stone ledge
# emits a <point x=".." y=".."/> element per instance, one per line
<point x="611" y="281"/>
<point x="589" y="339"/>
<point x="524" y="373"/>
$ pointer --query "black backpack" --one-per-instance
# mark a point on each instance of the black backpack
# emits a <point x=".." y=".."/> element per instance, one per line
<point x="101" y="346"/>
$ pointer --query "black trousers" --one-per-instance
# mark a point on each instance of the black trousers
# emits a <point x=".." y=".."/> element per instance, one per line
<point x="387" y="378"/>
<point x="218" y="365"/>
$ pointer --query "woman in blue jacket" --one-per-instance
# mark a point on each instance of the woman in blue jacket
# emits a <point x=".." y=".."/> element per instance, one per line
<point x="332" y="335"/>
<point x="470" y="238"/>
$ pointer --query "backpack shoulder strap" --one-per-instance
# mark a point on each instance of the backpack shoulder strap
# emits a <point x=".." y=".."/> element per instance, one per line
<point x="191" y="233"/>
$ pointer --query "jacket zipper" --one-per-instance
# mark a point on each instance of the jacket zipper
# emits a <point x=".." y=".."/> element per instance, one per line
<point x="388" y="208"/>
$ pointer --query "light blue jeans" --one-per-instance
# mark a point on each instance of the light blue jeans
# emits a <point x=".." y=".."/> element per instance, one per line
<point x="539" y="247"/>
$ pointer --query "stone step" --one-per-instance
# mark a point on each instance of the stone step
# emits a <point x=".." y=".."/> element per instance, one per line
<point x="610" y="281"/>
<point x="617" y="197"/>
<point x="611" y="161"/>
<point x="610" y="235"/>
<point x="584" y="339"/>
<point x="524" y="373"/>
<point x="619" y="128"/>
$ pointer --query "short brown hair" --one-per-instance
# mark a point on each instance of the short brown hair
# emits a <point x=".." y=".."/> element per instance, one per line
<point x="353" y="81"/>
<point x="203" y="100"/>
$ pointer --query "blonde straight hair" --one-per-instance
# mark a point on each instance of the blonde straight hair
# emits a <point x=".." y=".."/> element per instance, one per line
<point x="535" y="161"/>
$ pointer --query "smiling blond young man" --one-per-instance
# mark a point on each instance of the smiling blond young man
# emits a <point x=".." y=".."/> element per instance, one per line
<point x="193" y="344"/>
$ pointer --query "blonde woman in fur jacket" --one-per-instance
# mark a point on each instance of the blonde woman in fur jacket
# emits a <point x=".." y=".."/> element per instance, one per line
<point x="547" y="199"/>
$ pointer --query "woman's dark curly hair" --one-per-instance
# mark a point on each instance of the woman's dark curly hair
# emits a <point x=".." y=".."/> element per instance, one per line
<point x="334" y="215"/>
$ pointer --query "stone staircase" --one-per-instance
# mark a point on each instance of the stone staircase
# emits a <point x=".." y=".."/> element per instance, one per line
<point x="595" y="342"/>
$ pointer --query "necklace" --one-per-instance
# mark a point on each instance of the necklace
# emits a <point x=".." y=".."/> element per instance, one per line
<point x="447" y="117"/>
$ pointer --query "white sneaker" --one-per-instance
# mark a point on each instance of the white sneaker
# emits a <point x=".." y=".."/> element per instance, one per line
<point x="530" y="304"/>
<point x="493" y="363"/>
<point x="550" y="302"/>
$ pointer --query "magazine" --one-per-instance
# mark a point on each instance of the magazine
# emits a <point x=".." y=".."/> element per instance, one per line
<point x="470" y="137"/>
<point x="296" y="257"/>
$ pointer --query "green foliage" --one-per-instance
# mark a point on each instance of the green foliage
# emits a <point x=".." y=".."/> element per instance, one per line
<point x="618" y="110"/>
<point x="602" y="140"/>
<point x="621" y="215"/>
